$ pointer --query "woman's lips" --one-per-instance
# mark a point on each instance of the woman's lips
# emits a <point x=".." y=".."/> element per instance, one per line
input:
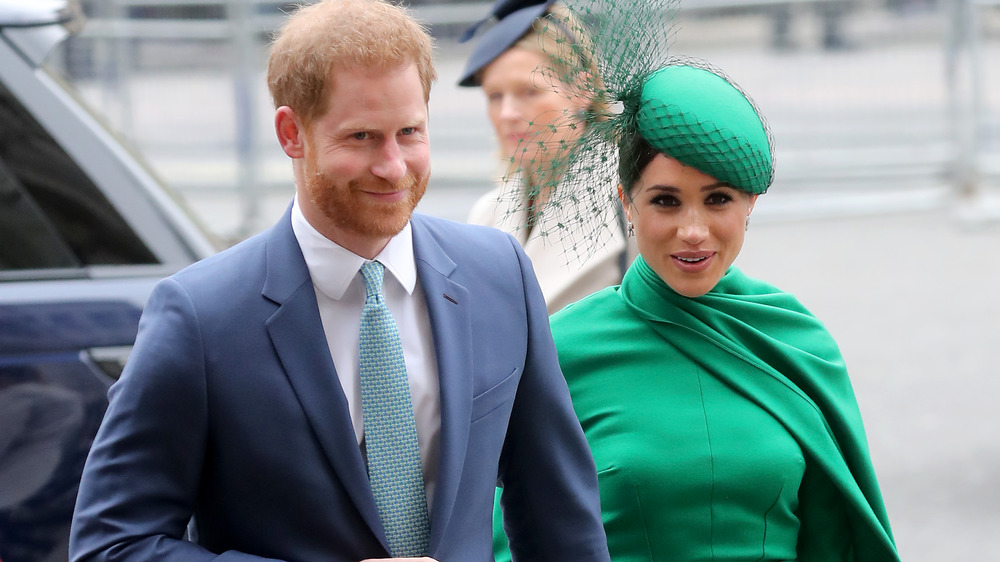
<point x="692" y="262"/>
<point x="515" y="139"/>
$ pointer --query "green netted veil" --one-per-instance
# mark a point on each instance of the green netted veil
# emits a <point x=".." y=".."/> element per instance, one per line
<point x="615" y="56"/>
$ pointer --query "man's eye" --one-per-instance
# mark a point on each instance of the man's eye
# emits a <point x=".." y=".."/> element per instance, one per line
<point x="408" y="130"/>
<point x="361" y="135"/>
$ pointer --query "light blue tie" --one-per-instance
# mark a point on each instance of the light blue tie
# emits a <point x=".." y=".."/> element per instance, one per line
<point x="390" y="429"/>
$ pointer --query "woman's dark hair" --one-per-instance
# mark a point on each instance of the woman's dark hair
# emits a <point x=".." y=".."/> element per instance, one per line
<point x="634" y="154"/>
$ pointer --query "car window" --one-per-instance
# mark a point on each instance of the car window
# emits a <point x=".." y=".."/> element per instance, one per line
<point x="51" y="213"/>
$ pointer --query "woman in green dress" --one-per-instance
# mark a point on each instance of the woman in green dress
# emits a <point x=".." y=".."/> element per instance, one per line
<point x="717" y="407"/>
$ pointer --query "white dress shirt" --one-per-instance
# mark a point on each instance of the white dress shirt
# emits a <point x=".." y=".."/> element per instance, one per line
<point x="340" y="294"/>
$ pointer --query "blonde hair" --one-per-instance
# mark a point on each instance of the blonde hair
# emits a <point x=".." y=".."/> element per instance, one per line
<point x="318" y="40"/>
<point x="564" y="40"/>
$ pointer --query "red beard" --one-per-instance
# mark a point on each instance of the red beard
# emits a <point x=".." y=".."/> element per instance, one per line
<point x="351" y="210"/>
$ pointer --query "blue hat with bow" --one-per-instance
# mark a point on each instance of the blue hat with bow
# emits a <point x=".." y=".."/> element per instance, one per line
<point x="514" y="19"/>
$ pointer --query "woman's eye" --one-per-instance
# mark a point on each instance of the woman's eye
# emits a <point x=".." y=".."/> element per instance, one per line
<point x="718" y="198"/>
<point x="664" y="201"/>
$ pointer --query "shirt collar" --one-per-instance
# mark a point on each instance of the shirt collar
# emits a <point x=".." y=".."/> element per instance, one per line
<point x="333" y="267"/>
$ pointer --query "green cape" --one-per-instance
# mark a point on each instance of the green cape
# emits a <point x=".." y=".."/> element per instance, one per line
<point x="798" y="376"/>
<point x="765" y="345"/>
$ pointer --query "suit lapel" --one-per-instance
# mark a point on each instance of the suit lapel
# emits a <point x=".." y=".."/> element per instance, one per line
<point x="451" y="324"/>
<point x="296" y="331"/>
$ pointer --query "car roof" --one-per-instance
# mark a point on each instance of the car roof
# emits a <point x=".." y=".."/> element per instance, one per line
<point x="29" y="13"/>
<point x="34" y="27"/>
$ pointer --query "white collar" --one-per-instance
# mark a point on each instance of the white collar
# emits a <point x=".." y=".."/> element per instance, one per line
<point x="333" y="267"/>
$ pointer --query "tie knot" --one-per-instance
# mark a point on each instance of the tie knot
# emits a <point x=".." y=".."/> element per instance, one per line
<point x="372" y="272"/>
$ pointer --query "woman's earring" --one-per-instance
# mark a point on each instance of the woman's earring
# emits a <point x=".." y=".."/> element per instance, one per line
<point x="631" y="230"/>
<point x="747" y="227"/>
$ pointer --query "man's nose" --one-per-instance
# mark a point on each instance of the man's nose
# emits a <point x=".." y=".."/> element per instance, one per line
<point x="390" y="165"/>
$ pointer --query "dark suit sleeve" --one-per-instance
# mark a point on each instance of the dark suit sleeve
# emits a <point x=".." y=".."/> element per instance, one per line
<point x="140" y="480"/>
<point x="551" y="506"/>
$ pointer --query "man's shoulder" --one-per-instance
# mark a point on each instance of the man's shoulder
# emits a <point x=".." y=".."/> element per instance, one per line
<point x="482" y="255"/>
<point x="233" y="266"/>
<point x="458" y="235"/>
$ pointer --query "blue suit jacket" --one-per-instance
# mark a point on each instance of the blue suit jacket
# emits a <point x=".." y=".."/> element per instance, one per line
<point x="229" y="410"/>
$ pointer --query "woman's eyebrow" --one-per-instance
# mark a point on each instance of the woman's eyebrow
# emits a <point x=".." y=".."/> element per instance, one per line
<point x="663" y="187"/>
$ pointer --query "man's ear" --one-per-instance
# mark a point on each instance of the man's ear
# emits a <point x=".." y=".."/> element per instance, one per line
<point x="290" y="131"/>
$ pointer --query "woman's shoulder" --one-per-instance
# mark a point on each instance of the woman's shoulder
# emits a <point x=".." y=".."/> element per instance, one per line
<point x="736" y="284"/>
<point x="590" y="329"/>
<point x="485" y="210"/>
<point x="737" y="281"/>
<point x="597" y="302"/>
<point x="588" y="317"/>
<point x="776" y="313"/>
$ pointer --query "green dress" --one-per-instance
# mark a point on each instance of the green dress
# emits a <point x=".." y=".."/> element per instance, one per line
<point x="723" y="427"/>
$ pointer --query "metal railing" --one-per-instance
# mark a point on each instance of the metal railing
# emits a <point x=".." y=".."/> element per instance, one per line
<point x="946" y="143"/>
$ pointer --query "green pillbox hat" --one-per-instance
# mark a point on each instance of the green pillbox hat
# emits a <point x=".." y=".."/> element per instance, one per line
<point x="702" y="120"/>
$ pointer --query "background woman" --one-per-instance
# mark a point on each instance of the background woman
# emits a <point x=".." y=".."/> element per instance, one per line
<point x="718" y="409"/>
<point x="531" y="66"/>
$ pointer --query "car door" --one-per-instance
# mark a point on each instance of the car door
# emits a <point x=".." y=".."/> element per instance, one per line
<point x="85" y="233"/>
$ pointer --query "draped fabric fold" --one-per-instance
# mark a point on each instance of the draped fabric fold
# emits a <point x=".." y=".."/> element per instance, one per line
<point x="764" y="344"/>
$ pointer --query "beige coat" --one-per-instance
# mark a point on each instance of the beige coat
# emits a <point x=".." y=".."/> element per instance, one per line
<point x="563" y="276"/>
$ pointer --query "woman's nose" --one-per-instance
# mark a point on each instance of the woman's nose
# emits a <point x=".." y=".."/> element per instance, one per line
<point x="694" y="230"/>
<point x="510" y="108"/>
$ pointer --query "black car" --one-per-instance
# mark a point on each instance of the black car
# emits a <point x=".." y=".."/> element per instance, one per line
<point x="85" y="232"/>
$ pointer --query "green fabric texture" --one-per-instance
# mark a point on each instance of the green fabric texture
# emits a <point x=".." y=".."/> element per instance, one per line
<point x="702" y="120"/>
<point x="644" y="364"/>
